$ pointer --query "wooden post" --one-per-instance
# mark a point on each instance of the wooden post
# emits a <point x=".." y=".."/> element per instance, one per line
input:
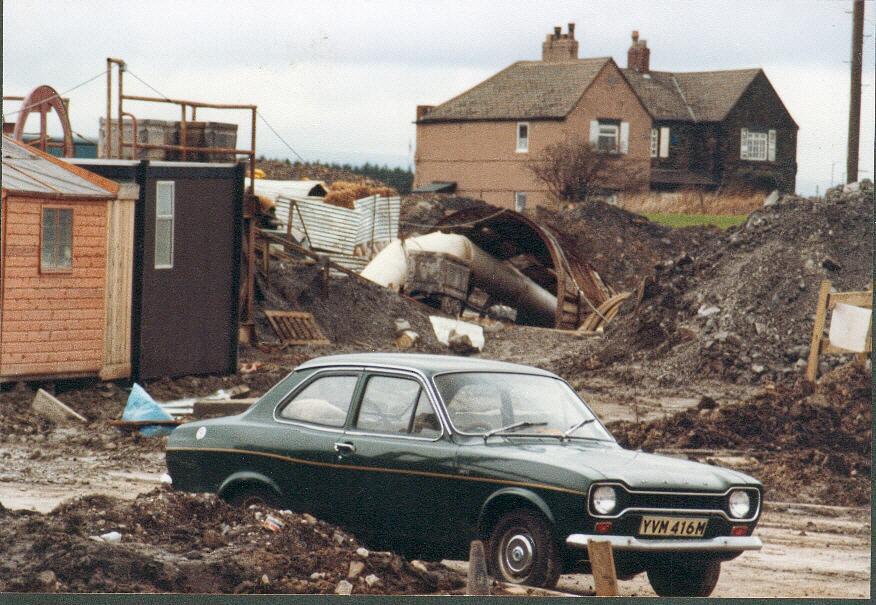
<point x="478" y="580"/>
<point x="602" y="568"/>
<point x="817" y="331"/>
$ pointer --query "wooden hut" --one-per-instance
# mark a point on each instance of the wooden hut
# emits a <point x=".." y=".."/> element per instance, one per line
<point x="66" y="245"/>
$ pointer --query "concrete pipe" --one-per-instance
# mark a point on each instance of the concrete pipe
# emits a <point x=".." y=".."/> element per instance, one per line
<point x="502" y="280"/>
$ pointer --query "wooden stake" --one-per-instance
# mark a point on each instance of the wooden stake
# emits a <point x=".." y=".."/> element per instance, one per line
<point x="602" y="568"/>
<point x="478" y="580"/>
<point x="817" y="331"/>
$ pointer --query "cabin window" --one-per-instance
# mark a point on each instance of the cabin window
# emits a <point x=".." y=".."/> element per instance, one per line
<point x="757" y="145"/>
<point x="324" y="401"/>
<point x="56" y="243"/>
<point x="164" y="217"/>
<point x="519" y="201"/>
<point x="522" y="137"/>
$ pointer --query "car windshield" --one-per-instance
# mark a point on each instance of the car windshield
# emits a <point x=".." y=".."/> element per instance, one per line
<point x="525" y="404"/>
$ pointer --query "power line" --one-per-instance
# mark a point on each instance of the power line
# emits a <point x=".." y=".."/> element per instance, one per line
<point x="277" y="134"/>
<point x="148" y="85"/>
<point x="58" y="95"/>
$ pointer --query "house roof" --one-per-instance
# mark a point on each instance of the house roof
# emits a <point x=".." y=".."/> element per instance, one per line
<point x="524" y="90"/>
<point x="703" y="96"/>
<point x="26" y="170"/>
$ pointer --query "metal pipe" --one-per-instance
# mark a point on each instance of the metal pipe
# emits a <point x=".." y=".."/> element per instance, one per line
<point x="252" y="157"/>
<point x="121" y="95"/>
<point x="134" y="149"/>
<point x="190" y="103"/>
<point x="109" y="106"/>
<point x="212" y="150"/>
<point x="183" y="139"/>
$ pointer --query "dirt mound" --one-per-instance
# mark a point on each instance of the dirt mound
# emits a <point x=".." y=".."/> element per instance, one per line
<point x="420" y="212"/>
<point x="741" y="306"/>
<point x="288" y="171"/>
<point x="828" y="432"/>
<point x="354" y="315"/>
<point x="176" y="542"/>
<point x="622" y="246"/>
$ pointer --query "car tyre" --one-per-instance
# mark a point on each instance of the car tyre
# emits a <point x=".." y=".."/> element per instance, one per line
<point x="522" y="550"/>
<point x="249" y="495"/>
<point x="684" y="579"/>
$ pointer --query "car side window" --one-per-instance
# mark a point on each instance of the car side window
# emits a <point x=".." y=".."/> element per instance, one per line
<point x="324" y="401"/>
<point x="392" y="404"/>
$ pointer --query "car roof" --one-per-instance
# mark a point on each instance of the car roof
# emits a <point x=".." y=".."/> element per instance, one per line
<point x="425" y="364"/>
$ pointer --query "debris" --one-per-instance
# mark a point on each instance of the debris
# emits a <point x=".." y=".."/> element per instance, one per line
<point x="708" y="310"/>
<point x="406" y="339"/>
<point x="356" y="568"/>
<point x="317" y="575"/>
<point x="50" y="407"/>
<point x="419" y="566"/>
<point x="249" y="368"/>
<point x="371" y="580"/>
<point x="362" y="552"/>
<point x="772" y="198"/>
<point x="224" y="394"/>
<point x="460" y="343"/>
<point x="265" y="580"/>
<point x="272" y="523"/>
<point x="446" y="328"/>
<point x="206" y="408"/>
<point x="830" y="264"/>
<point x="344" y="588"/>
<point x="296" y="327"/>
<point x="308" y="519"/>
<point x="112" y="536"/>
<point x="402" y="325"/>
<point x="142" y="408"/>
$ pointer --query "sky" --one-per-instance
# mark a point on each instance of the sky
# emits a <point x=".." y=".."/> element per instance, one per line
<point x="340" y="80"/>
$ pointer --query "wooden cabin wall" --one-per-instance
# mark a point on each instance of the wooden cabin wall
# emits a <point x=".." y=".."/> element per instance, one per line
<point x="119" y="279"/>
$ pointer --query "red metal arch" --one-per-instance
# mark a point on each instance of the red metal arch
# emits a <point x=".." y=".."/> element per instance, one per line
<point x="44" y="99"/>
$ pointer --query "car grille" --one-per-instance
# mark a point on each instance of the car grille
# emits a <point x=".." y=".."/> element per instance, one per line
<point x="676" y="502"/>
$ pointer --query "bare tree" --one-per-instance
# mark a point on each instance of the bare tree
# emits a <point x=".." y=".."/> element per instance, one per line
<point x="574" y="170"/>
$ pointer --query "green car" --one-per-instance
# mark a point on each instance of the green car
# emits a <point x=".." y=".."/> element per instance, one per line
<point x="425" y="453"/>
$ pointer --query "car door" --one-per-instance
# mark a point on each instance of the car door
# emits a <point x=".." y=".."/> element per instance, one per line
<point x="314" y="416"/>
<point x="404" y="458"/>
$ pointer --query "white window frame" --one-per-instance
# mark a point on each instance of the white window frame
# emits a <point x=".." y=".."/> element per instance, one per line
<point x="755" y="145"/>
<point x="522" y="141"/>
<point x="518" y="205"/>
<point x="608" y="130"/>
<point x="165" y="218"/>
<point x="655" y="142"/>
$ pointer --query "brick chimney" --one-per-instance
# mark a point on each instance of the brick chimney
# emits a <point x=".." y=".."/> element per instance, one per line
<point x="422" y="110"/>
<point x="559" y="47"/>
<point x="639" y="55"/>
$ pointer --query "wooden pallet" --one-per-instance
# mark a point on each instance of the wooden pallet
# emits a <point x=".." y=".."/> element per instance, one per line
<point x="296" y="328"/>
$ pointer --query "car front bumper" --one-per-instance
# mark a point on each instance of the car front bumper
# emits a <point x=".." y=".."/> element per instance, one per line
<point x="632" y="544"/>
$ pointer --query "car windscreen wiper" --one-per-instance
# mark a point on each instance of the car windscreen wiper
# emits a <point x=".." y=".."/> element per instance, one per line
<point x="510" y="427"/>
<point x="574" y="428"/>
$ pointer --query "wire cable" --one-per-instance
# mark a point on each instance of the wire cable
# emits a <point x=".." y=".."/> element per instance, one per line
<point x="59" y="95"/>
<point x="282" y="140"/>
<point x="147" y="85"/>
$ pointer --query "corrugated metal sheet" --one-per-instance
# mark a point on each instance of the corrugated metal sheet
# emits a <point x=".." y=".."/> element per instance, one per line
<point x="25" y="171"/>
<point x="335" y="229"/>
<point x="274" y="189"/>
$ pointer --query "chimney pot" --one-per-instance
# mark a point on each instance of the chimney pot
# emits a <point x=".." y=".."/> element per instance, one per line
<point x="638" y="56"/>
<point x="572" y="30"/>
<point x="635" y="36"/>
<point x="557" y="31"/>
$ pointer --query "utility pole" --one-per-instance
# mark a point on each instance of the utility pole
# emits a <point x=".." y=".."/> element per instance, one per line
<point x="855" y="94"/>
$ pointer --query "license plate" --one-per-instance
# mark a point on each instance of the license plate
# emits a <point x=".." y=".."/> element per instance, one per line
<point x="673" y="526"/>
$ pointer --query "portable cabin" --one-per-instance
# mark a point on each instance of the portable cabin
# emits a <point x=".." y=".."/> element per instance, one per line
<point x="186" y="263"/>
<point x="66" y="237"/>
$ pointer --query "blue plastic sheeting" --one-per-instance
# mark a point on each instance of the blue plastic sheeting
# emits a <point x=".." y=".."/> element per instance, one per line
<point x="141" y="406"/>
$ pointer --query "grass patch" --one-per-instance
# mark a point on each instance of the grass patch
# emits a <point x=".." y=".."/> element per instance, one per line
<point x="722" y="221"/>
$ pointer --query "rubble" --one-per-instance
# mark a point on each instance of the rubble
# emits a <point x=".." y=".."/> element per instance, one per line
<point x="164" y="550"/>
<point x="51" y="408"/>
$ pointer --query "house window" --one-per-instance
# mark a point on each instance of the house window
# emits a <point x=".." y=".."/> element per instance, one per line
<point x="522" y="137"/>
<point x="164" y="213"/>
<point x="609" y="136"/>
<point x="56" y="243"/>
<point x="655" y="138"/>
<point x="757" y="145"/>
<point x="519" y="201"/>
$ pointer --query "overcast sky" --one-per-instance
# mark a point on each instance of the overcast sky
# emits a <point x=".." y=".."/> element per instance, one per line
<point x="340" y="80"/>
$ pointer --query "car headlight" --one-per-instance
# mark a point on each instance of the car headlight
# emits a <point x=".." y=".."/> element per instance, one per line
<point x="739" y="503"/>
<point x="604" y="499"/>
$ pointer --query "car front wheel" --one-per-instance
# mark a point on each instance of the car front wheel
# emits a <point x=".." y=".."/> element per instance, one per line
<point x="684" y="579"/>
<point x="522" y="550"/>
<point x="246" y="496"/>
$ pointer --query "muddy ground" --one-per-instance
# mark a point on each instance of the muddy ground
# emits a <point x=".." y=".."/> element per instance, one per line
<point x="671" y="376"/>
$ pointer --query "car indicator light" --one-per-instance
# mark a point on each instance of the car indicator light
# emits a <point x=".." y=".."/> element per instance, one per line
<point x="602" y="527"/>
<point x="739" y="530"/>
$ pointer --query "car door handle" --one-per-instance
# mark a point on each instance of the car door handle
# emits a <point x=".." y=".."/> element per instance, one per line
<point x="343" y="447"/>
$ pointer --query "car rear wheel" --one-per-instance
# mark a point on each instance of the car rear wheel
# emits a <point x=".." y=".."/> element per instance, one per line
<point x="247" y="495"/>
<point x="522" y="550"/>
<point x="684" y="579"/>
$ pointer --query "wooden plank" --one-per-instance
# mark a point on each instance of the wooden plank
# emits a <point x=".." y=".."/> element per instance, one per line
<point x="858" y="299"/>
<point x="204" y="408"/>
<point x="296" y="327"/>
<point x="602" y="566"/>
<point x="49" y="407"/>
<point x="817" y="331"/>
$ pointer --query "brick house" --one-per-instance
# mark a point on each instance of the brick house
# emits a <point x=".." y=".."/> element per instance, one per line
<point x="671" y="130"/>
<point x="714" y="128"/>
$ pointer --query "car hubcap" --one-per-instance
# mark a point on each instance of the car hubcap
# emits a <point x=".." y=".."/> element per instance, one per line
<point x="518" y="552"/>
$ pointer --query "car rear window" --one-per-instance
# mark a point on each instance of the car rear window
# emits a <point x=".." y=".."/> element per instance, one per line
<point x="324" y="401"/>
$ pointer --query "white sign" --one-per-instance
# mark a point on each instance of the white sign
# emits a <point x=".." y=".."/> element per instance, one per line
<point x="850" y="327"/>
